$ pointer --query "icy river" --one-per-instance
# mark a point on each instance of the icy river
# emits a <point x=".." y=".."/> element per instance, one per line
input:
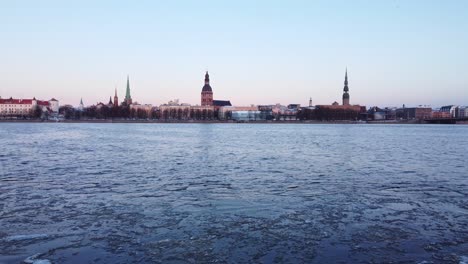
<point x="233" y="193"/>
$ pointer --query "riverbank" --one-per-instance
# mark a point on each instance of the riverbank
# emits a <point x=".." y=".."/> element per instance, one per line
<point x="110" y="121"/>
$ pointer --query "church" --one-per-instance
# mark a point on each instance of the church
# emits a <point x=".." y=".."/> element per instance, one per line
<point x="207" y="96"/>
<point x="335" y="111"/>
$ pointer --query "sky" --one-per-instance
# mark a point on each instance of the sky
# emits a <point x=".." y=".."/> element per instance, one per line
<point x="257" y="52"/>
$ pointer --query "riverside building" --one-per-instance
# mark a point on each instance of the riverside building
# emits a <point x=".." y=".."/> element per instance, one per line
<point x="335" y="111"/>
<point x="25" y="107"/>
<point x="174" y="110"/>
<point x="239" y="113"/>
<point x="207" y="96"/>
<point x="417" y="113"/>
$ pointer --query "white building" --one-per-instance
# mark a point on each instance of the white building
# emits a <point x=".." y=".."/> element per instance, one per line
<point x="244" y="113"/>
<point x="54" y="105"/>
<point x="26" y="107"/>
<point x="452" y="109"/>
<point x="145" y="107"/>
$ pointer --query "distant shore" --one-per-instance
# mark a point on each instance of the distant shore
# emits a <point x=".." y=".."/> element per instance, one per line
<point x="118" y="121"/>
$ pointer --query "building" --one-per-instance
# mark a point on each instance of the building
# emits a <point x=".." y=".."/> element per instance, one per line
<point x="174" y="110"/>
<point x="141" y="110"/>
<point x="54" y="105"/>
<point x="462" y="112"/>
<point x="294" y="106"/>
<point x="418" y="113"/>
<point x="26" y="107"/>
<point x="17" y="107"/>
<point x="440" y="115"/>
<point x="266" y="112"/>
<point x="376" y="113"/>
<point x="246" y="116"/>
<point x="220" y="103"/>
<point x="128" y="97"/>
<point x="452" y="109"/>
<point x="207" y="92"/>
<point x="207" y="96"/>
<point x="338" y="112"/>
<point x="279" y="111"/>
<point x="335" y="111"/>
<point x="239" y="113"/>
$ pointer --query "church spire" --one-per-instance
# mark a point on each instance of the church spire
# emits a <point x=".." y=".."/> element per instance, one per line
<point x="128" y="98"/>
<point x="81" y="106"/>
<point x="207" y="78"/>
<point x="116" y="99"/>
<point x="346" y="89"/>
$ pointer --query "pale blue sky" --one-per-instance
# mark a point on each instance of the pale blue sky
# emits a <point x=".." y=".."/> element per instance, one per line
<point x="257" y="52"/>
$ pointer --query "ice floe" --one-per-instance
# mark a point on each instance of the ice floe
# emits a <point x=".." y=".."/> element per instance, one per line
<point x="34" y="260"/>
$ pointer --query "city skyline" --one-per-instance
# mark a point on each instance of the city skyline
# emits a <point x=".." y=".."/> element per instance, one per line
<point x="257" y="53"/>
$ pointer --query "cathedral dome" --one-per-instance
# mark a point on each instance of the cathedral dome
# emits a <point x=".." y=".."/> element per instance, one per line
<point x="206" y="88"/>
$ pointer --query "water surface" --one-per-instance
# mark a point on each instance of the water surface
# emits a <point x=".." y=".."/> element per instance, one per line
<point x="233" y="193"/>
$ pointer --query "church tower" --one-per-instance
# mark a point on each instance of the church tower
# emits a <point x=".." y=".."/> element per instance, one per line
<point x="128" y="98"/>
<point x="207" y="92"/>
<point x="81" y="106"/>
<point x="116" y="99"/>
<point x="346" y="90"/>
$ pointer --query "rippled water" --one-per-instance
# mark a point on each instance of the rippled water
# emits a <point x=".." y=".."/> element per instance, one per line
<point x="233" y="193"/>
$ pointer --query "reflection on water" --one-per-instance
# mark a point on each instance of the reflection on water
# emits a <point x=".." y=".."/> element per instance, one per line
<point x="233" y="193"/>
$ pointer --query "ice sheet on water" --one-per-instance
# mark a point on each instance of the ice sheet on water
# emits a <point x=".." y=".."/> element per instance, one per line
<point x="25" y="237"/>
<point x="268" y="200"/>
<point x="463" y="259"/>
<point x="34" y="260"/>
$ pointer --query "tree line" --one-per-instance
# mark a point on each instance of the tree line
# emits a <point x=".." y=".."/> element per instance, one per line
<point x="125" y="112"/>
<point x="168" y="113"/>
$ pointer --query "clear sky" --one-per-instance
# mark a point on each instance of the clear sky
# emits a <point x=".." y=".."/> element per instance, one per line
<point x="257" y="52"/>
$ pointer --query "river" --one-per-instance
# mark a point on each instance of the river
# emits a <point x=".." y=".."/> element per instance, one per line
<point x="233" y="193"/>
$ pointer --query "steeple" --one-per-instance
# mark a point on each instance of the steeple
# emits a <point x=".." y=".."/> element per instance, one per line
<point x="346" y="89"/>
<point x="116" y="99"/>
<point x="81" y="106"/>
<point x="310" y="102"/>
<point x="207" y="78"/>
<point x="110" y="100"/>
<point x="128" y="98"/>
